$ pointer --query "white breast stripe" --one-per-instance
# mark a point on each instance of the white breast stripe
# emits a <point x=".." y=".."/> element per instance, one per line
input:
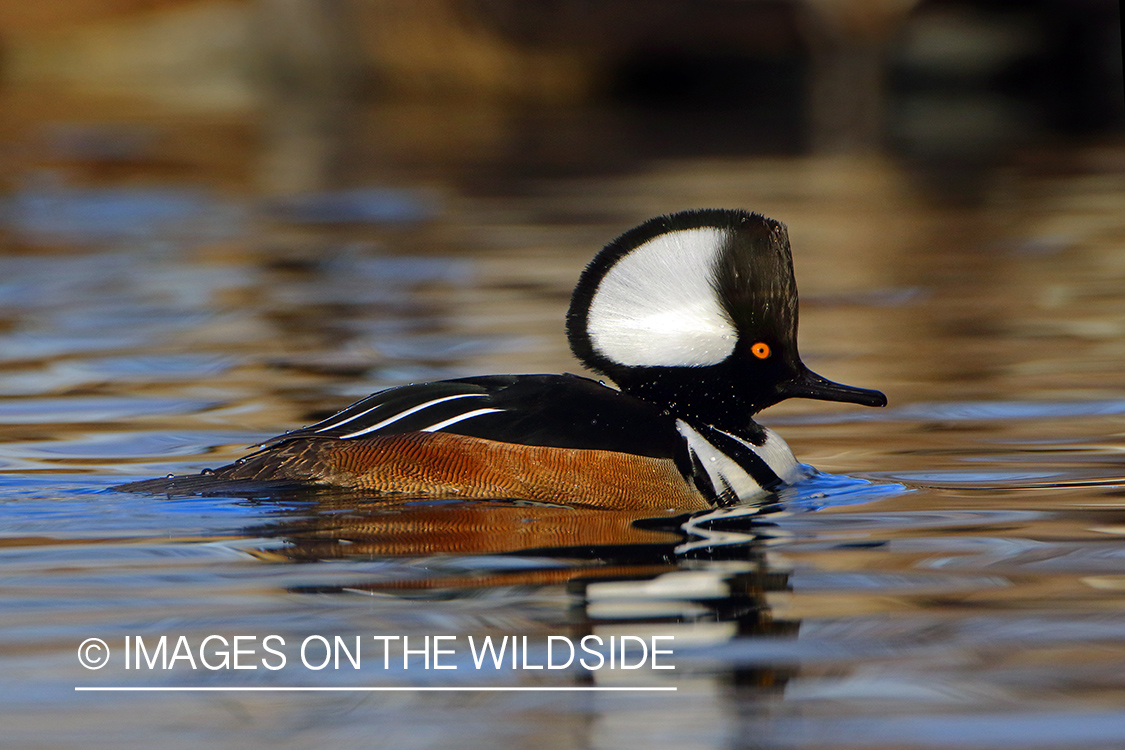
<point x="777" y="455"/>
<point x="458" y="418"/>
<point x="723" y="470"/>
<point x="400" y="415"/>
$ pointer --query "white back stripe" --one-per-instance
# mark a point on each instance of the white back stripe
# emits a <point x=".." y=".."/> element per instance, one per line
<point x="400" y="415"/>
<point x="657" y="305"/>
<point x="458" y="418"/>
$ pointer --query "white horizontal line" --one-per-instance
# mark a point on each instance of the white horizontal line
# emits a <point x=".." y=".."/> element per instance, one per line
<point x="396" y="417"/>
<point x="291" y="689"/>
<point x="458" y="418"/>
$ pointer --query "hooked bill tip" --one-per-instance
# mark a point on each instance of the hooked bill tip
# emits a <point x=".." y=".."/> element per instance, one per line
<point x="811" y="385"/>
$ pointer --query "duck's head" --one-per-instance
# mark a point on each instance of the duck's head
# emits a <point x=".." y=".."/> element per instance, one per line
<point x="696" y="312"/>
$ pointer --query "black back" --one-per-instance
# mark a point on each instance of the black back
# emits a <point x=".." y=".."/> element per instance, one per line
<point x="559" y="411"/>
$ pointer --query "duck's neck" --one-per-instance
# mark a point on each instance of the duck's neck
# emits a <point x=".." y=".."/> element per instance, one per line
<point x="700" y="396"/>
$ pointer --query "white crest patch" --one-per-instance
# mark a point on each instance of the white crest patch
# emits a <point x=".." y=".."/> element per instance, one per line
<point x="657" y="306"/>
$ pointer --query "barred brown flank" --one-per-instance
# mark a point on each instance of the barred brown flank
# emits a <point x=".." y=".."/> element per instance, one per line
<point x="438" y="464"/>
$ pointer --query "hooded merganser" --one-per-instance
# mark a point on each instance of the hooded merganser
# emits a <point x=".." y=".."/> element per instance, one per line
<point x="692" y="315"/>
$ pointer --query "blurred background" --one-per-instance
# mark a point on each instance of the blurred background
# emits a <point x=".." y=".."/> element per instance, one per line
<point x="960" y="162"/>
<point x="221" y="219"/>
<point x="324" y="92"/>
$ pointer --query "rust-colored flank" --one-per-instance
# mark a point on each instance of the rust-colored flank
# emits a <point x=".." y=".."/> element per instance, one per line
<point x="438" y="464"/>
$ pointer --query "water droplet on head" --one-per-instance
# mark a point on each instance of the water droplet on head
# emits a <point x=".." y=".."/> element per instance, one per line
<point x="208" y="472"/>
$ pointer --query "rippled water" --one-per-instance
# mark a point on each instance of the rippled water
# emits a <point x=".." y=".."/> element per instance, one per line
<point x="955" y="576"/>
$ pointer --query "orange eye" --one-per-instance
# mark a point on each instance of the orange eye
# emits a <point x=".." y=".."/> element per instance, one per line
<point x="760" y="350"/>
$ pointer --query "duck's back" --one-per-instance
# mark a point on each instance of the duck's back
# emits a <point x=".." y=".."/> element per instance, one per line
<point x="547" y="438"/>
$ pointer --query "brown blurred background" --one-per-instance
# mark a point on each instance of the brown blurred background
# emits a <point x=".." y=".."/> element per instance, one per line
<point x="565" y="84"/>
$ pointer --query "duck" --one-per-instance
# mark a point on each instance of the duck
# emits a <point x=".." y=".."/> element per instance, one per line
<point x="691" y="315"/>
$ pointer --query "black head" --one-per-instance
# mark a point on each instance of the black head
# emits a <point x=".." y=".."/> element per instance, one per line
<point x="697" y="312"/>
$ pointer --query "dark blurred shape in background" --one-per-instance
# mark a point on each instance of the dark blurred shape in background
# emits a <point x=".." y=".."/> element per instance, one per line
<point x="973" y="75"/>
<point x="591" y="81"/>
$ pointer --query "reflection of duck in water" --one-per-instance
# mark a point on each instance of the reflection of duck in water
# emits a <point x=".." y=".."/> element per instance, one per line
<point x="707" y="582"/>
<point x="693" y="315"/>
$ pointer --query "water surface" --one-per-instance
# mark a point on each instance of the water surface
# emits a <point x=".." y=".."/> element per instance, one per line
<point x="955" y="576"/>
